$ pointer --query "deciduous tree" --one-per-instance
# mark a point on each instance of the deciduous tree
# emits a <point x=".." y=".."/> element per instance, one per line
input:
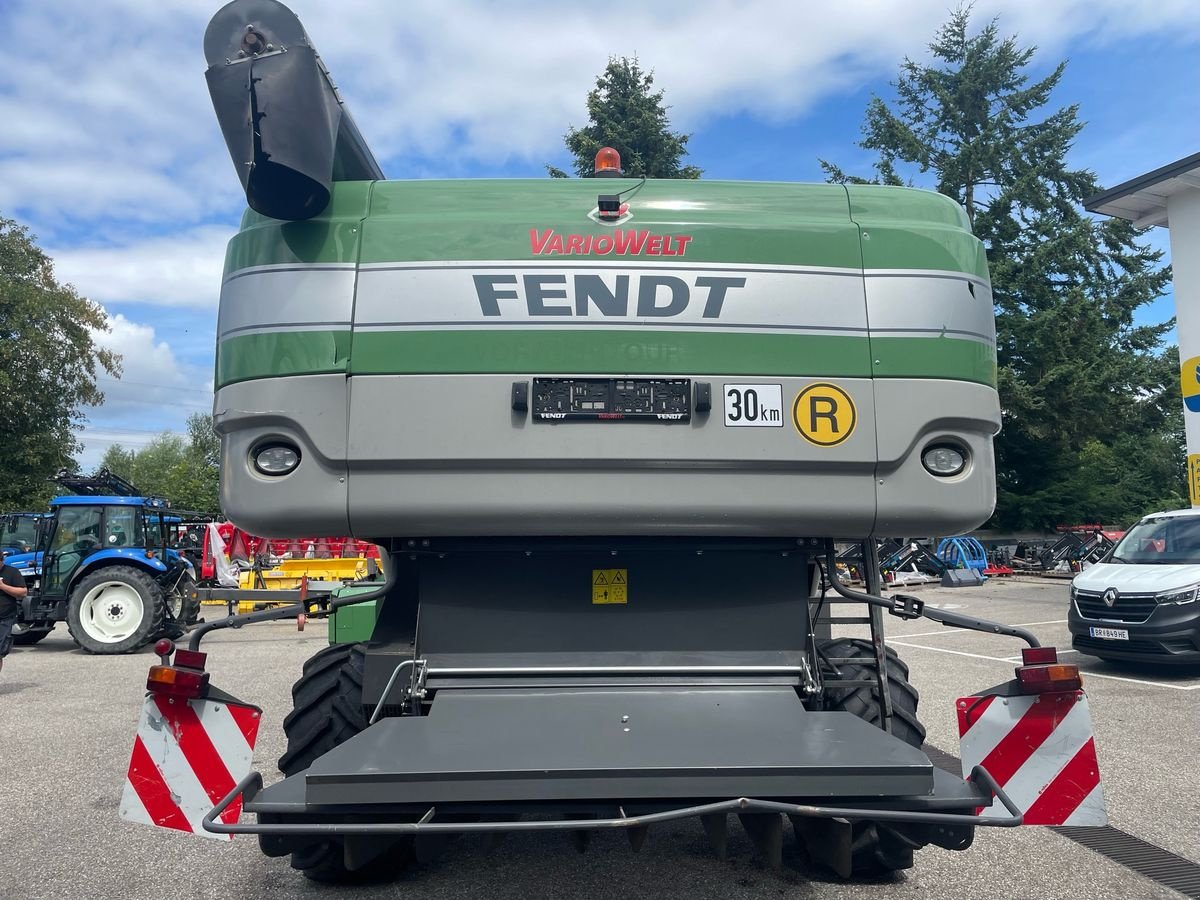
<point x="49" y="362"/>
<point x="185" y="471"/>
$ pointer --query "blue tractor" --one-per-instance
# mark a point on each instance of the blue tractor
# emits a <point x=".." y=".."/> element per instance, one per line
<point x="104" y="564"/>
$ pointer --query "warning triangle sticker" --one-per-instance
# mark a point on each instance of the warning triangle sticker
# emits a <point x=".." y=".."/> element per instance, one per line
<point x="600" y="579"/>
<point x="618" y="578"/>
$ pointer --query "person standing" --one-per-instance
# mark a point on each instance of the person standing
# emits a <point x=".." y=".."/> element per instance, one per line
<point x="12" y="589"/>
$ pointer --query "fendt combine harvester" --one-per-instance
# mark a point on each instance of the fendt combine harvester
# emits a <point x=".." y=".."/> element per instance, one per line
<point x="609" y="432"/>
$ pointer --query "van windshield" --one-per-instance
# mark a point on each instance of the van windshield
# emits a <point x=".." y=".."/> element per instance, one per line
<point x="1171" y="540"/>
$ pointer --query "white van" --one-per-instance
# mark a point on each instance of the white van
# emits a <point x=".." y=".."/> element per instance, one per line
<point x="1139" y="604"/>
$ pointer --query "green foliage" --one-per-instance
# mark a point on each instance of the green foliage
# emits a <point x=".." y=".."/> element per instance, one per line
<point x="625" y="114"/>
<point x="1086" y="393"/>
<point x="48" y="367"/>
<point x="183" y="471"/>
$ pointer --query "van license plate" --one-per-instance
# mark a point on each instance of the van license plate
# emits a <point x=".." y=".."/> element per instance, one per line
<point x="1111" y="634"/>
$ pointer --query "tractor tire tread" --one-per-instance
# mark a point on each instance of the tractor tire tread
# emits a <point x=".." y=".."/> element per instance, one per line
<point x="327" y="711"/>
<point x="875" y="848"/>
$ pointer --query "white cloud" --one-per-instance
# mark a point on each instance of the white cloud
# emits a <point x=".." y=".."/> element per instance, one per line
<point x="182" y="269"/>
<point x="115" y="122"/>
<point x="150" y="370"/>
<point x="490" y="80"/>
<point x="155" y="393"/>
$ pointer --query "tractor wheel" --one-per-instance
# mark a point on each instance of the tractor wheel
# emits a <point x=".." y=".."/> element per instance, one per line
<point x="864" y="701"/>
<point x="327" y="710"/>
<point x="115" y="610"/>
<point x="875" y="848"/>
<point x="27" y="635"/>
<point x="182" y="608"/>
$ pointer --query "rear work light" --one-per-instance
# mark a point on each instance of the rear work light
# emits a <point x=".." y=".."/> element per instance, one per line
<point x="1042" y="673"/>
<point x="186" y="678"/>
<point x="943" y="460"/>
<point x="276" y="459"/>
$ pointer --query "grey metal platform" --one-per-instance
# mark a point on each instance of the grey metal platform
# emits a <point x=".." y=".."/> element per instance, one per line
<point x="635" y="743"/>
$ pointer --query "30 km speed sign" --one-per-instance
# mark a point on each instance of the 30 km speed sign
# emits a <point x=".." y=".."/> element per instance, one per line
<point x="759" y="405"/>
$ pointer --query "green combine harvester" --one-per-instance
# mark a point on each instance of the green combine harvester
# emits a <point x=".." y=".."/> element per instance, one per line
<point x="608" y="431"/>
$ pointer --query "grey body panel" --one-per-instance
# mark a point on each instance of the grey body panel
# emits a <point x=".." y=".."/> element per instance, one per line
<point x="650" y="743"/>
<point x="912" y="415"/>
<point x="308" y="411"/>
<point x="446" y="455"/>
<point x="478" y="468"/>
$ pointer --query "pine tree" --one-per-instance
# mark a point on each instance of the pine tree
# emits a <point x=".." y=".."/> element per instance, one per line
<point x="626" y="114"/>
<point x="1076" y="375"/>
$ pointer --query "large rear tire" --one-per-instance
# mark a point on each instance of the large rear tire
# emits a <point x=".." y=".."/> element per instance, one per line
<point x="864" y="701"/>
<point x="115" y="610"/>
<point x="182" y="608"/>
<point x="327" y="710"/>
<point x="875" y="848"/>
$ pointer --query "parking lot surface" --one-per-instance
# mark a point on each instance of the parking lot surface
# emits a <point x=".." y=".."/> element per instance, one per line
<point x="67" y="721"/>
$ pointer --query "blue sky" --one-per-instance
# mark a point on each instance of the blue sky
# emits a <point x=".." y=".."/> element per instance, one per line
<point x="110" y="153"/>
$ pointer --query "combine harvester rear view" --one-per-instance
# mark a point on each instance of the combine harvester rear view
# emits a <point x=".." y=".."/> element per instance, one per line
<point x="608" y="432"/>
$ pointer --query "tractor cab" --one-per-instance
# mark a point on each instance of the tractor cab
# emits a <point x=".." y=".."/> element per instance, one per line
<point x="86" y="530"/>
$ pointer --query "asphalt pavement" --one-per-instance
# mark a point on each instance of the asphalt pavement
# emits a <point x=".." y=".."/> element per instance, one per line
<point x="67" y="721"/>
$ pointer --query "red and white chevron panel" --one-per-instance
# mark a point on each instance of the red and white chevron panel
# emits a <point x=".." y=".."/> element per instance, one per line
<point x="187" y="756"/>
<point x="1040" y="749"/>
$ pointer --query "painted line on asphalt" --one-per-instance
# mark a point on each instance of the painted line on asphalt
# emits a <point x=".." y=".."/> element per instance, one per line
<point x="952" y="630"/>
<point x="1006" y="661"/>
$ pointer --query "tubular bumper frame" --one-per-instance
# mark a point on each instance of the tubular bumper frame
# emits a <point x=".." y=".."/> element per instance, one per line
<point x="249" y="787"/>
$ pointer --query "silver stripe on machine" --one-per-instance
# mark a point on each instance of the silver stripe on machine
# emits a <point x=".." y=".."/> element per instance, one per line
<point x="304" y="297"/>
<point x="942" y="305"/>
<point x="447" y="297"/>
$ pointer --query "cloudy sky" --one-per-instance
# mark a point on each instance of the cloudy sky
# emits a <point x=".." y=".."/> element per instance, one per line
<point x="109" y="150"/>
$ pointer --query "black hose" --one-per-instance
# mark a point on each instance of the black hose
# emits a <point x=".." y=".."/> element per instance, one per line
<point x="946" y="617"/>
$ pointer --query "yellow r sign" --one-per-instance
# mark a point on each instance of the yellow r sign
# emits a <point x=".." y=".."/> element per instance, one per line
<point x="824" y="414"/>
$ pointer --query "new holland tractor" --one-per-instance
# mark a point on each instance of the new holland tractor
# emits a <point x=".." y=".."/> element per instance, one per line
<point x="608" y="431"/>
<point x="103" y="565"/>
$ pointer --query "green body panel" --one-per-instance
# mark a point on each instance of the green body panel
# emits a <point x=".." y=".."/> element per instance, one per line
<point x="353" y="624"/>
<point x="790" y="224"/>
<point x="784" y="223"/>
<point x="908" y="229"/>
<point x="822" y="227"/>
<point x="602" y="353"/>
<point x="670" y="353"/>
<point x="331" y="237"/>
<point x="272" y="354"/>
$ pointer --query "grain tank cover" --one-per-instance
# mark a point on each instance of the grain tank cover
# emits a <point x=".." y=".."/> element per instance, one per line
<point x="486" y="358"/>
<point x="288" y="131"/>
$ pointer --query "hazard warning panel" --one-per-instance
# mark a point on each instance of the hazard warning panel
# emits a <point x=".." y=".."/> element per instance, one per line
<point x="610" y="586"/>
<point x="1040" y="749"/>
<point x="187" y="756"/>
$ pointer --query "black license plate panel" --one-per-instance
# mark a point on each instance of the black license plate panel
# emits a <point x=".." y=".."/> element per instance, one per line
<point x="612" y="400"/>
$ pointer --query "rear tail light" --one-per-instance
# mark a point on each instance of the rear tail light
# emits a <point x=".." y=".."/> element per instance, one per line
<point x="186" y="678"/>
<point x="1042" y="673"/>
